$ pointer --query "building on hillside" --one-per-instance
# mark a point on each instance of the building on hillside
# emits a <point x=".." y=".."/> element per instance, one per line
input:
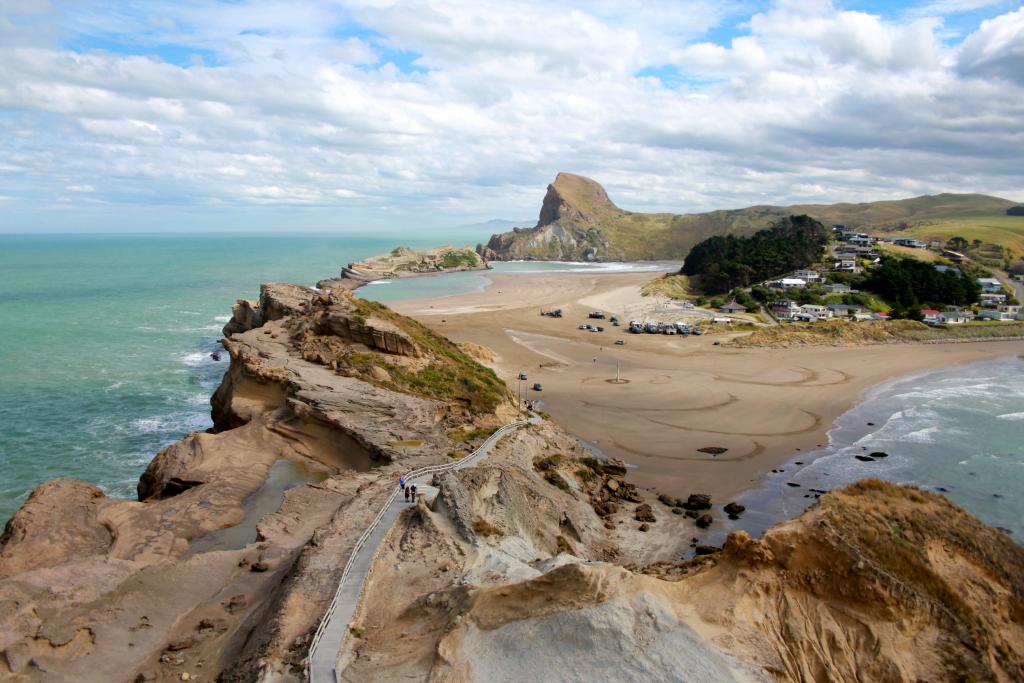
<point x="880" y="316"/>
<point x="1003" y="312"/>
<point x="989" y="299"/>
<point x="814" y="312"/>
<point x="785" y="309"/>
<point x="844" y="310"/>
<point x="989" y="284"/>
<point x="860" y="239"/>
<point x="838" y="288"/>
<point x="787" y="282"/>
<point x="954" y="256"/>
<point x="956" y="316"/>
<point x="942" y="268"/>
<point x="808" y="276"/>
<point x="910" y="242"/>
<point x="732" y="307"/>
<point x="846" y="265"/>
<point x="931" y="317"/>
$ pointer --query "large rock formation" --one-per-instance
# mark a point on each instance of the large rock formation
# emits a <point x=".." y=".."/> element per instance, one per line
<point x="874" y="583"/>
<point x="572" y="225"/>
<point x="579" y="222"/>
<point x="227" y="560"/>
<point x="406" y="262"/>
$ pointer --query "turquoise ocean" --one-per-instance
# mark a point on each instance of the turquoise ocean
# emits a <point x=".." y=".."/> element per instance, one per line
<point x="105" y="358"/>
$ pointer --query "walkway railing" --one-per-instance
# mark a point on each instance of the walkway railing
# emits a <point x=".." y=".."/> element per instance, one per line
<point x="409" y="477"/>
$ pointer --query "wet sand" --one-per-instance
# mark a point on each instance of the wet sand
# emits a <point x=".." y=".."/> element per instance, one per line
<point x="677" y="394"/>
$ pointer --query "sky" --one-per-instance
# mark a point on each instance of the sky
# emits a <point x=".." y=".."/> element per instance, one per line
<point x="367" y="115"/>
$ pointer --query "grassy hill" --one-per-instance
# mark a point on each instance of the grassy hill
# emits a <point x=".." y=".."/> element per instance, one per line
<point x="578" y="221"/>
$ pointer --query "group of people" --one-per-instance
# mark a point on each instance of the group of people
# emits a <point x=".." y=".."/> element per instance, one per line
<point x="410" y="490"/>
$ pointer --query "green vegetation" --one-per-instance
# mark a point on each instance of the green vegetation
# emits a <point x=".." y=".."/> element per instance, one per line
<point x="459" y="259"/>
<point x="908" y="284"/>
<point x="451" y="375"/>
<point x="471" y="435"/>
<point x="723" y="263"/>
<point x="595" y="222"/>
<point x="563" y="544"/>
<point x="674" y="286"/>
<point x="843" y="333"/>
<point x="547" y="463"/>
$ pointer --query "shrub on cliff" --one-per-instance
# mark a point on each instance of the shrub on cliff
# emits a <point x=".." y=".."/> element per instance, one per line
<point x="451" y="375"/>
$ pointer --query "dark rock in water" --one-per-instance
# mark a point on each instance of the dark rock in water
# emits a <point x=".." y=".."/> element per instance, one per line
<point x="807" y="495"/>
<point x="871" y="424"/>
<point x="698" y="501"/>
<point x="734" y="517"/>
<point x="941" y="489"/>
<point x="1006" y="531"/>
<point x="798" y="463"/>
<point x="713" y="450"/>
<point x="734" y="508"/>
<point x="705" y="520"/>
<point x="215" y="355"/>
<point x="793" y="484"/>
<point x="879" y="454"/>
<point x="997" y="495"/>
<point x="864" y="458"/>
<point x="707" y="549"/>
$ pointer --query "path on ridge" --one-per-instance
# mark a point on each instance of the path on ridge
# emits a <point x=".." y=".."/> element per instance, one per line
<point x="326" y="647"/>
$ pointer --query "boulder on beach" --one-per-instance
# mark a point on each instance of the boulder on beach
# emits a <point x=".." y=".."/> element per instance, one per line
<point x="698" y="501"/>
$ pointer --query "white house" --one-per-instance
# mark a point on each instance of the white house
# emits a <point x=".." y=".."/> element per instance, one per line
<point x="1003" y="312"/>
<point x="816" y="312"/>
<point x="846" y="265"/>
<point x="788" y="282"/>
<point x="954" y="317"/>
<point x="807" y="276"/>
<point x="785" y="309"/>
<point x="932" y="317"/>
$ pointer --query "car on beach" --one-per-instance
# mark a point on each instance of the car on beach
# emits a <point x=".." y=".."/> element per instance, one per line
<point x="522" y="375"/>
<point x="620" y="342"/>
<point x="599" y="328"/>
<point x="536" y="386"/>
<point x="583" y="326"/>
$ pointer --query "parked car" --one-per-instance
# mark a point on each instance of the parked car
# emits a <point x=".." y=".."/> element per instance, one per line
<point x="536" y="386"/>
<point x="620" y="342"/>
<point x="599" y="328"/>
<point x="584" y="326"/>
<point x="597" y="315"/>
<point x="522" y="375"/>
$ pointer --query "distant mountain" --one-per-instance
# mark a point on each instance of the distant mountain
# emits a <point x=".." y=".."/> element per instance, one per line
<point x="578" y="221"/>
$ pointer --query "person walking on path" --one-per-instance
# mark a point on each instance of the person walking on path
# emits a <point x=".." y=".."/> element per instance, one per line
<point x="414" y="494"/>
<point x="401" y="482"/>
<point x="407" y="490"/>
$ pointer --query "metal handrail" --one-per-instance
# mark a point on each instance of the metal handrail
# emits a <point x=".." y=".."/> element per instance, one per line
<point x="409" y="476"/>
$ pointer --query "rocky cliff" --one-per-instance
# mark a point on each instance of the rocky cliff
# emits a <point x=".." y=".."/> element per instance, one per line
<point x="578" y="222"/>
<point x="540" y="563"/>
<point x="575" y="220"/>
<point x="406" y="262"/>
<point x="225" y="563"/>
<point x="875" y="583"/>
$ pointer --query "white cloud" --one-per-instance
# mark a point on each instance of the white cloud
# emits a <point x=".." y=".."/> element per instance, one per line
<point x="450" y="111"/>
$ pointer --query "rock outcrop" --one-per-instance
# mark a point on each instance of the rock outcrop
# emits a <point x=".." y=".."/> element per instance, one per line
<point x="406" y="262"/>
<point x="221" y="566"/>
<point x="875" y="582"/>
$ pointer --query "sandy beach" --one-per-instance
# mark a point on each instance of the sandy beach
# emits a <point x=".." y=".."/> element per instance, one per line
<point x="677" y="394"/>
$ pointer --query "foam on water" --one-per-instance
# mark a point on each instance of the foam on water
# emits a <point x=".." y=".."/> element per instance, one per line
<point x="951" y="430"/>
